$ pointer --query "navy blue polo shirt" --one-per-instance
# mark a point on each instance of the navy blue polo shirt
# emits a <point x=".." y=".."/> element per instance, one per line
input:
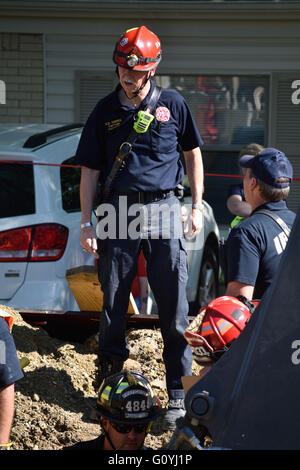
<point x="154" y="163"/>
<point x="255" y="245"/>
<point x="10" y="370"/>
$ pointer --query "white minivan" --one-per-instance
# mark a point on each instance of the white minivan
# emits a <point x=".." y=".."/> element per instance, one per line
<point x="40" y="222"/>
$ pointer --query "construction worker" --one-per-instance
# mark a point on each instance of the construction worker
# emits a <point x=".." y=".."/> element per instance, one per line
<point x="10" y="372"/>
<point x="148" y="178"/>
<point x="126" y="406"/>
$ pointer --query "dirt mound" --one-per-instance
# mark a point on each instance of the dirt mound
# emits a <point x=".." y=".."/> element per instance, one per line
<point x="51" y="409"/>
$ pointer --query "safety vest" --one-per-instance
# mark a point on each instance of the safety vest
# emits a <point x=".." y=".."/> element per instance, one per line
<point x="9" y="319"/>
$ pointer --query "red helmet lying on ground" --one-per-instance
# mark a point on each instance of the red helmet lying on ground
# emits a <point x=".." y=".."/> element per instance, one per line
<point x="216" y="326"/>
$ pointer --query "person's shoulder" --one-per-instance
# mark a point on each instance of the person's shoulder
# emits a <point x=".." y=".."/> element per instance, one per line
<point x="103" y="105"/>
<point x="258" y="223"/>
<point x="291" y="214"/>
<point x="171" y="92"/>
<point x="109" y="97"/>
<point x="94" y="444"/>
<point x="277" y="207"/>
<point x="100" y="110"/>
<point x="106" y="101"/>
<point x="172" y="96"/>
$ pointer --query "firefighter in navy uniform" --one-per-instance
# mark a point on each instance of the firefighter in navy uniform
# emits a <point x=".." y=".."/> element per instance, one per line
<point x="127" y="406"/>
<point x="255" y="246"/>
<point x="152" y="171"/>
<point x="10" y="372"/>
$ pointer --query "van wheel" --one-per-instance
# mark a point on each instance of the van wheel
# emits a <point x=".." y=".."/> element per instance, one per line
<point x="208" y="287"/>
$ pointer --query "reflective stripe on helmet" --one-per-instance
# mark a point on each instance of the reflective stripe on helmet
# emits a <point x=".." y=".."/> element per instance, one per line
<point x="122" y="387"/>
<point x="127" y="396"/>
<point x="106" y="392"/>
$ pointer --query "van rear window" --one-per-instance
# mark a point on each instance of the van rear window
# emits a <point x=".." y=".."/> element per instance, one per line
<point x="70" y="184"/>
<point x="16" y="189"/>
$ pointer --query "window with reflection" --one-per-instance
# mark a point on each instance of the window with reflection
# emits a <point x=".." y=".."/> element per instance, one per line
<point x="230" y="112"/>
<point x="70" y="185"/>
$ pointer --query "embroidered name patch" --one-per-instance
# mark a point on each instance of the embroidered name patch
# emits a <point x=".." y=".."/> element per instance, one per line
<point x="111" y="125"/>
<point x="162" y="114"/>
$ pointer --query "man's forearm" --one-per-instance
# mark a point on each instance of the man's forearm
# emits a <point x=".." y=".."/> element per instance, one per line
<point x="194" y="170"/>
<point x="239" y="288"/>
<point x="7" y="396"/>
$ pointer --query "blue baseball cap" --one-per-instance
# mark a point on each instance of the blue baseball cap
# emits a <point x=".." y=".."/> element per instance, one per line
<point x="269" y="165"/>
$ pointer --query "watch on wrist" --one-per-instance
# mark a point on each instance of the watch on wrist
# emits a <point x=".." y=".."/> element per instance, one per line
<point x="86" y="224"/>
<point x="198" y="206"/>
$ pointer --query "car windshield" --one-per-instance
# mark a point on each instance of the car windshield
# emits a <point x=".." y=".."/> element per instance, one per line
<point x="16" y="190"/>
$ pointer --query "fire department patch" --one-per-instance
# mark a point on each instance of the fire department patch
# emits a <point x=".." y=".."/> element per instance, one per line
<point x="162" y="114"/>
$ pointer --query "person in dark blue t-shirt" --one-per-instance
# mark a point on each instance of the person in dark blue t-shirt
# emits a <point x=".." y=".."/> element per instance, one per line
<point x="148" y="179"/>
<point x="255" y="245"/>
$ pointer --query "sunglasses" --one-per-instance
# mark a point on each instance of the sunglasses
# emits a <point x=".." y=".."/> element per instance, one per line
<point x="124" y="428"/>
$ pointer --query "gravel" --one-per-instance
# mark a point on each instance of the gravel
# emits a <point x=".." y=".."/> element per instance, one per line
<point x="51" y="406"/>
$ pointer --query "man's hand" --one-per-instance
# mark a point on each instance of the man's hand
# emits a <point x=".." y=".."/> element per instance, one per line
<point x="88" y="240"/>
<point x="193" y="224"/>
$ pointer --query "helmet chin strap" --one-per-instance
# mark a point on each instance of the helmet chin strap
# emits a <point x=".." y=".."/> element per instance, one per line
<point x="106" y="434"/>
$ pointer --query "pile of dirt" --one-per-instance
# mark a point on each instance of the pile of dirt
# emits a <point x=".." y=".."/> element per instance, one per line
<point x="51" y="409"/>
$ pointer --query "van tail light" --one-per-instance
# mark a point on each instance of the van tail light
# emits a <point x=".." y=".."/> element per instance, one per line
<point x="44" y="242"/>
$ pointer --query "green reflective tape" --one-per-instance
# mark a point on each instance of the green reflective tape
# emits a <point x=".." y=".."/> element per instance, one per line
<point x="122" y="386"/>
<point x="106" y="392"/>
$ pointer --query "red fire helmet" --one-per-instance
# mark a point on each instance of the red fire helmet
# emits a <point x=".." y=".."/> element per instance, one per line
<point x="216" y="326"/>
<point x="138" y="49"/>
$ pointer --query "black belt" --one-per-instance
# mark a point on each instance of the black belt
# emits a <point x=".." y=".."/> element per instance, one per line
<point x="145" y="197"/>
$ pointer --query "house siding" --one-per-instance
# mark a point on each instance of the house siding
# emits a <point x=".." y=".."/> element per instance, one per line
<point x="22" y="71"/>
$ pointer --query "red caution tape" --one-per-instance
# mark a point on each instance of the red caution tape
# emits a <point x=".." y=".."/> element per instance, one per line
<point x="22" y="162"/>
